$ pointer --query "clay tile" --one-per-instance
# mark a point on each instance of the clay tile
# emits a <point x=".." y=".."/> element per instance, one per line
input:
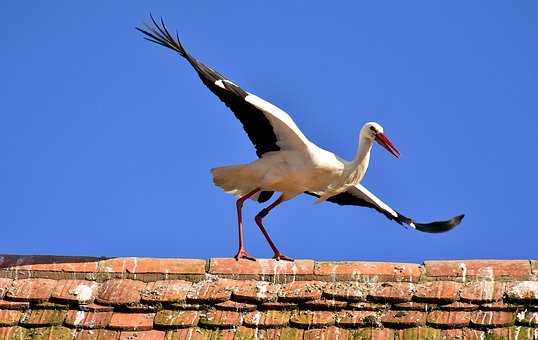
<point x="14" y="304"/>
<point x="352" y="291"/>
<point x="235" y="306"/>
<point x="227" y="266"/>
<point x="267" y="319"/>
<point x="352" y="271"/>
<point x="425" y="307"/>
<point x="43" y="317"/>
<point x="392" y="292"/>
<point x="449" y="319"/>
<point x="403" y="319"/>
<point x="9" y="317"/>
<point x="438" y="291"/>
<point x="419" y="333"/>
<point x="12" y="333"/>
<point x="322" y="304"/>
<point x="511" y="333"/>
<point x="529" y="319"/>
<point x="483" y="291"/>
<point x="369" y="306"/>
<point x="184" y="306"/>
<point x="479" y="269"/>
<point x="143" y="335"/>
<point x="98" y="334"/>
<point x="501" y="306"/>
<point x="212" y="291"/>
<point x="136" y="265"/>
<point x="372" y="333"/>
<point x="525" y="291"/>
<point x="31" y="290"/>
<point x="278" y="306"/>
<point x="120" y="292"/>
<point x="221" y="319"/>
<point x="77" y="291"/>
<point x="166" y="291"/>
<point x="92" y="307"/>
<point x="310" y="319"/>
<point x="355" y="319"/>
<point x="4" y="285"/>
<point x="131" y="321"/>
<point x="287" y="333"/>
<point x="326" y="333"/>
<point x="492" y="319"/>
<point x="176" y="319"/>
<point x="87" y="320"/>
<point x="300" y="291"/>
<point x="54" y="332"/>
<point x="257" y="291"/>
<point x="461" y="306"/>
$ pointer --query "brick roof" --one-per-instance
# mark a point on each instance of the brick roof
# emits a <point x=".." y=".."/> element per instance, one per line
<point x="43" y="297"/>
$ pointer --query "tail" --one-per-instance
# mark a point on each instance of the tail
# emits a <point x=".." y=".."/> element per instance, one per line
<point x="437" y="227"/>
<point x="160" y="35"/>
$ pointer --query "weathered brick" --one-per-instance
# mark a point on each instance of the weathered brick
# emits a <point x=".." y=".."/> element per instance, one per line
<point x="139" y="265"/>
<point x="483" y="291"/>
<point x="380" y="271"/>
<point x="426" y="333"/>
<point x="501" y="306"/>
<point x="278" y="306"/>
<point x="87" y="320"/>
<point x="351" y="291"/>
<point x="131" y="322"/>
<point x="212" y="291"/>
<point x="323" y="304"/>
<point x="492" y="319"/>
<point x="120" y="292"/>
<point x="300" y="291"/>
<point x="372" y="333"/>
<point x="437" y="291"/>
<point x="176" y="319"/>
<point x="459" y="306"/>
<point x="75" y="291"/>
<point x="166" y="291"/>
<point x="333" y="333"/>
<point x="98" y="334"/>
<point x="529" y="319"/>
<point x="43" y="317"/>
<point x="92" y="307"/>
<point x="448" y="319"/>
<point x="142" y="335"/>
<point x="227" y="266"/>
<point x="399" y="319"/>
<point x="369" y="306"/>
<point x="65" y="264"/>
<point x="482" y="269"/>
<point x="13" y="333"/>
<point x="47" y="333"/>
<point x="17" y="305"/>
<point x="235" y="306"/>
<point x="392" y="292"/>
<point x="4" y="285"/>
<point x="257" y="291"/>
<point x="267" y="319"/>
<point x="310" y="319"/>
<point x="420" y="306"/>
<point x="31" y="290"/>
<point x="221" y="319"/>
<point x="524" y="292"/>
<point x="9" y="317"/>
<point x="355" y="319"/>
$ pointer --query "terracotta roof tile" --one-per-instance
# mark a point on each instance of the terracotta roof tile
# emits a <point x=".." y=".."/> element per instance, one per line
<point x="87" y="320"/>
<point x="176" y="319"/>
<point x="267" y="319"/>
<point x="43" y="317"/>
<point x="221" y="319"/>
<point x="120" y="292"/>
<point x="166" y="291"/>
<point x="157" y="299"/>
<point x="492" y="319"/>
<point x="483" y="291"/>
<point x="31" y="290"/>
<point x="309" y="319"/>
<point x="9" y="317"/>
<point x="76" y="291"/>
<point x="402" y="319"/>
<point x="257" y="291"/>
<point x="300" y="291"/>
<point x="393" y="292"/>
<point x="449" y="319"/>
<point x="438" y="291"/>
<point x="131" y="321"/>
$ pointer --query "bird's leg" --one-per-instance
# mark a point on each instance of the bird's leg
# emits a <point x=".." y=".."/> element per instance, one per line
<point x="258" y="219"/>
<point x="242" y="253"/>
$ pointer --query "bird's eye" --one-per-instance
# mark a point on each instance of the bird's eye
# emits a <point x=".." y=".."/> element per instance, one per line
<point x="372" y="129"/>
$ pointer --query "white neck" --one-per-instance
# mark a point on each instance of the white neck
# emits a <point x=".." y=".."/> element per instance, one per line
<point x="357" y="168"/>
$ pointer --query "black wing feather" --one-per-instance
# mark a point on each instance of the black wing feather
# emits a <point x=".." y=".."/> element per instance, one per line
<point x="255" y="124"/>
<point x="347" y="198"/>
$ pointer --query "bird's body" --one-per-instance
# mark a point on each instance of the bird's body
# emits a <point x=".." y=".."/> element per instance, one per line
<point x="288" y="162"/>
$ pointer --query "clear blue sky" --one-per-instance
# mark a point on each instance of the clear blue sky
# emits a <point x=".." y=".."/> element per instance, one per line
<point x="106" y="140"/>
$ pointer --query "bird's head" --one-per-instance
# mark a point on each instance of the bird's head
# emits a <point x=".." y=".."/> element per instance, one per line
<point x="374" y="131"/>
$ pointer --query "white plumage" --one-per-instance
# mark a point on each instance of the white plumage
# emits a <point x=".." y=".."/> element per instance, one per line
<point x="288" y="162"/>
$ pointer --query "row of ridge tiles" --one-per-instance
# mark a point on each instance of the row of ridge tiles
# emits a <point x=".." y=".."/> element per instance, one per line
<point x="147" y="269"/>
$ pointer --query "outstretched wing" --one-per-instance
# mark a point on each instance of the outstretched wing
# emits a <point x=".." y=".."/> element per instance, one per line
<point x="360" y="196"/>
<point x="268" y="127"/>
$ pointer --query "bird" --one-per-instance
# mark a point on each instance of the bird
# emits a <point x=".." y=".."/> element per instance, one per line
<point x="288" y="162"/>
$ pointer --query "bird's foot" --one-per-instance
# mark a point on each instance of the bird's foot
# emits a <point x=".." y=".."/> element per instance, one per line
<point x="278" y="256"/>
<point x="242" y="254"/>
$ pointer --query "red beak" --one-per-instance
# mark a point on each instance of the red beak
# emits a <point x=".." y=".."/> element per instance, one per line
<point x="387" y="144"/>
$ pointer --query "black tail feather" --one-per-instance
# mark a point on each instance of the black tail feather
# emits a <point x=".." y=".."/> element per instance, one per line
<point x="160" y="35"/>
<point x="439" y="226"/>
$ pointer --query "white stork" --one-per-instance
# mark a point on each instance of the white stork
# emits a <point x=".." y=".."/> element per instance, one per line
<point x="288" y="162"/>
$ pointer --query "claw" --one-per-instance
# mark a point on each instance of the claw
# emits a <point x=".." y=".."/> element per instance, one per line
<point x="279" y="256"/>
<point x="242" y="254"/>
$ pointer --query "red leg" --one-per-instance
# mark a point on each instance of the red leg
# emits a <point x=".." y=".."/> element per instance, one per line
<point x="242" y="253"/>
<point x="258" y="219"/>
